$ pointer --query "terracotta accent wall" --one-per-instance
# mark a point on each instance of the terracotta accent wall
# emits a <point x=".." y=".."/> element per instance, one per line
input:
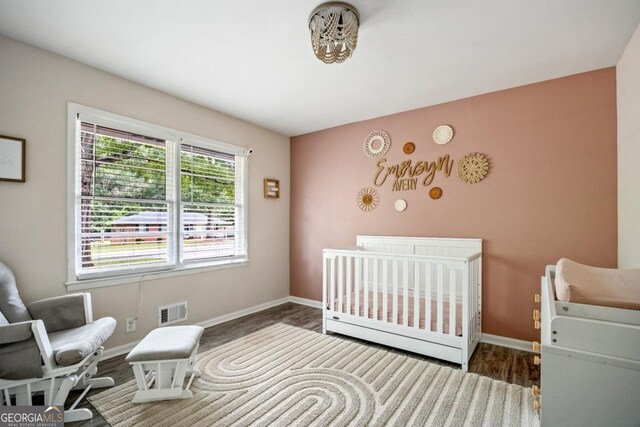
<point x="550" y="193"/>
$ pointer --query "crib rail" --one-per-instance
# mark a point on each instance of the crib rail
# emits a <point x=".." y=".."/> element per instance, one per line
<point x="437" y="295"/>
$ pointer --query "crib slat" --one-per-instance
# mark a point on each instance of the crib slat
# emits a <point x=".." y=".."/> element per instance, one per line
<point x="349" y="283"/>
<point x="427" y="296"/>
<point x="395" y="292"/>
<point x="473" y="302"/>
<point x="385" y="280"/>
<point x="440" y="284"/>
<point x="340" y="282"/>
<point x="405" y="293"/>
<point x="478" y="299"/>
<point x="472" y="298"/>
<point x="332" y="283"/>
<point x="365" y="267"/>
<point x="416" y="294"/>
<point x="467" y="291"/>
<point x="452" y="301"/>
<point x="479" y="302"/>
<point x="356" y="287"/>
<point x="375" y="288"/>
<point x="326" y="264"/>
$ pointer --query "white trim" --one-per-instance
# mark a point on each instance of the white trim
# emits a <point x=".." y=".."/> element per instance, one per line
<point x="73" y="225"/>
<point x="126" y="348"/>
<point x="119" y="350"/>
<point x="240" y="313"/>
<point x="75" y="286"/>
<point x="139" y="126"/>
<point x="506" y="342"/>
<point x="304" y="301"/>
<point x="175" y="138"/>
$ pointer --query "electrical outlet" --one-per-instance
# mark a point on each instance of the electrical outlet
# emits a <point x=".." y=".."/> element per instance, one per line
<point x="130" y="326"/>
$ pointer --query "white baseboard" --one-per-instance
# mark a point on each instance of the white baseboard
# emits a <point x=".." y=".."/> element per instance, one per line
<point x="119" y="350"/>
<point x="506" y="342"/>
<point x="304" y="301"/>
<point x="126" y="348"/>
<point x="241" y="313"/>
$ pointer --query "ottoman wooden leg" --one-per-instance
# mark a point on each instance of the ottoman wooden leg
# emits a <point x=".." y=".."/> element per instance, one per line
<point x="162" y="360"/>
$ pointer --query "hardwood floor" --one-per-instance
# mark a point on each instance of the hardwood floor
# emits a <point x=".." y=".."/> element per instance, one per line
<point x="500" y="363"/>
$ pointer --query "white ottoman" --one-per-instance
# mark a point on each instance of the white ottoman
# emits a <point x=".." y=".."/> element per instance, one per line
<point x="162" y="360"/>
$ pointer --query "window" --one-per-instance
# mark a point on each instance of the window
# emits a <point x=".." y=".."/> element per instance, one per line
<point x="147" y="198"/>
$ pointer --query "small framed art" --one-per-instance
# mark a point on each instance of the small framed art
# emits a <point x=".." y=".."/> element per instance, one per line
<point x="271" y="188"/>
<point x="12" y="159"/>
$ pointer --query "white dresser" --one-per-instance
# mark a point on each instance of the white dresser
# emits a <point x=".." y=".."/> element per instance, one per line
<point x="590" y="363"/>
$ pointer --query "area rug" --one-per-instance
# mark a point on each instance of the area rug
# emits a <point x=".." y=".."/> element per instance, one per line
<point x="287" y="376"/>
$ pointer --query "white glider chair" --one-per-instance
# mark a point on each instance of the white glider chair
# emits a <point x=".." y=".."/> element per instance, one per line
<point x="52" y="347"/>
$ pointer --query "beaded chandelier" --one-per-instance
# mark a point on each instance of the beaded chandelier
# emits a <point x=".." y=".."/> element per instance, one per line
<point x="334" y="31"/>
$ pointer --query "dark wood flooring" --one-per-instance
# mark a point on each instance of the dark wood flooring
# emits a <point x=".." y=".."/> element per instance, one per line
<point x="496" y="362"/>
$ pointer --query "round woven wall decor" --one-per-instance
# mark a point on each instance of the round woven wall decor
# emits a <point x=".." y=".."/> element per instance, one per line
<point x="442" y="134"/>
<point x="409" y="148"/>
<point x="472" y="168"/>
<point x="400" y="205"/>
<point x="435" y="193"/>
<point x="368" y="199"/>
<point x="377" y="143"/>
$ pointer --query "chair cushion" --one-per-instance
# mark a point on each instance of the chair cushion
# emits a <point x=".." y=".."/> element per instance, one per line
<point x="72" y="345"/>
<point x="20" y="360"/>
<point x="11" y="305"/>
<point x="171" y="342"/>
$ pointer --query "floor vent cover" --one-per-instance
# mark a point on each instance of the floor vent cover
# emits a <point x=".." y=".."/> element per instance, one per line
<point x="173" y="313"/>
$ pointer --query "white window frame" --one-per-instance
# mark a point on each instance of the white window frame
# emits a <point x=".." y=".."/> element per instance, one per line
<point x="78" y="113"/>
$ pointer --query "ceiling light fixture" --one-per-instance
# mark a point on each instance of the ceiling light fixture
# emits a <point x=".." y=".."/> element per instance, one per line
<point x="334" y="31"/>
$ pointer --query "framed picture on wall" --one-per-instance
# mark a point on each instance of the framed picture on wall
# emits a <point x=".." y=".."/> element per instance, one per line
<point x="12" y="159"/>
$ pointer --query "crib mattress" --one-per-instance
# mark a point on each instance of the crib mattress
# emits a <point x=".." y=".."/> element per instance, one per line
<point x="410" y="320"/>
<point x="607" y="287"/>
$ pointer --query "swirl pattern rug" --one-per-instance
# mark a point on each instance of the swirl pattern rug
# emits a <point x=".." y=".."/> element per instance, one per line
<point x="287" y="376"/>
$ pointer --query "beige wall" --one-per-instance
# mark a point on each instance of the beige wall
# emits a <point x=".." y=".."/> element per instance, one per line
<point x="628" y="74"/>
<point x="550" y="193"/>
<point x="35" y="86"/>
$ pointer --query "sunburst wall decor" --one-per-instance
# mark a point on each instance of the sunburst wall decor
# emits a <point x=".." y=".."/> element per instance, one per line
<point x="472" y="168"/>
<point x="368" y="199"/>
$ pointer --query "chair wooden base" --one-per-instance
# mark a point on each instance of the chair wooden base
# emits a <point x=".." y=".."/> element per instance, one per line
<point x="56" y="385"/>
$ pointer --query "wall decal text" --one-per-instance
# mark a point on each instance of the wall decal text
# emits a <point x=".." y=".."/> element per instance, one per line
<point x="405" y="175"/>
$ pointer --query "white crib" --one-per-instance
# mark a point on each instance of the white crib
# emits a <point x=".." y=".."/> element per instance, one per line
<point x="418" y="294"/>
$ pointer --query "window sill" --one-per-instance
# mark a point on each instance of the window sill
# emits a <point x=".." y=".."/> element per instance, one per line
<point x="81" y="285"/>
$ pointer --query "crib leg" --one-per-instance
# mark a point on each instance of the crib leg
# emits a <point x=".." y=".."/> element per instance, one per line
<point x="465" y="367"/>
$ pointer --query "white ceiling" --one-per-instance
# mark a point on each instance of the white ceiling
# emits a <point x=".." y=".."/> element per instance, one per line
<point x="253" y="59"/>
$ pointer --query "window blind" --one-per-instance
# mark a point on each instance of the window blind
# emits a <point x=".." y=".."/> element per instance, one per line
<point x="211" y="204"/>
<point x="125" y="201"/>
<point x="144" y="203"/>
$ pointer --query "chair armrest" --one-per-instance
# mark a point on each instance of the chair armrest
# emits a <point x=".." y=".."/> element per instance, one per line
<point x="15" y="332"/>
<point x="23" y="346"/>
<point x="63" y="312"/>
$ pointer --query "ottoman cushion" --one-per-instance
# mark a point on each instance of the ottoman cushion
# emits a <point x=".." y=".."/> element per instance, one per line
<point x="171" y="342"/>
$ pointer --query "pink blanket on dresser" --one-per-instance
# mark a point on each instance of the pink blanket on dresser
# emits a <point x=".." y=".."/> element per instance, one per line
<point x="607" y="287"/>
<point x="410" y="320"/>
